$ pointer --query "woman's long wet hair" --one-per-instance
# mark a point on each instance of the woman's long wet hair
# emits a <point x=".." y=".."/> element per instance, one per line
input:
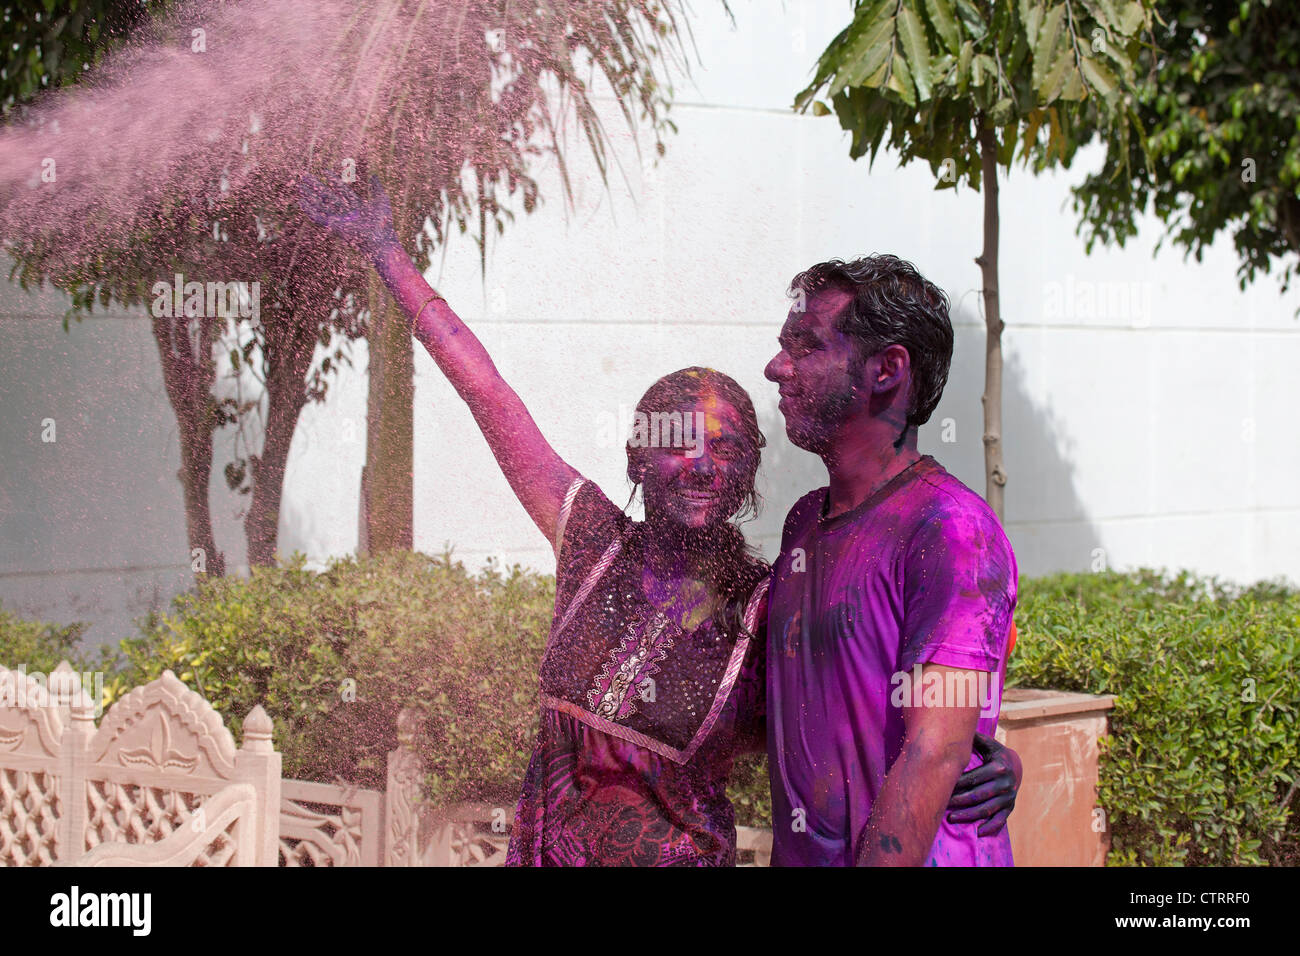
<point x="737" y="568"/>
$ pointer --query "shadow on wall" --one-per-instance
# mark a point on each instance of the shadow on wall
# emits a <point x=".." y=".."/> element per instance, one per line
<point x="1045" y="517"/>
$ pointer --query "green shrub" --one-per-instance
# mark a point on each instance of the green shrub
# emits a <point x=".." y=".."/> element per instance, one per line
<point x="40" y="646"/>
<point x="1202" y="757"/>
<point x="408" y="629"/>
<point x="750" y="791"/>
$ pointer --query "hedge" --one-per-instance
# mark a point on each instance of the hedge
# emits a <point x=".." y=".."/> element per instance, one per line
<point x="1203" y="757"/>
<point x="40" y="646"/>
<point x="334" y="656"/>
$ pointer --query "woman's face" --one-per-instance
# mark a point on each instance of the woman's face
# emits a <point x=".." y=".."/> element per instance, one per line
<point x="697" y="465"/>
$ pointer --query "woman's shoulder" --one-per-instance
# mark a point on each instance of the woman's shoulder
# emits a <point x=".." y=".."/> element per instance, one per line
<point x="587" y="516"/>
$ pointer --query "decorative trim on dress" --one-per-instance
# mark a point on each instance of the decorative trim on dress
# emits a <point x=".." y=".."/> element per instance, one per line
<point x="636" y="658"/>
<point x="569" y="495"/>
<point x="613" y="693"/>
<point x="598" y="569"/>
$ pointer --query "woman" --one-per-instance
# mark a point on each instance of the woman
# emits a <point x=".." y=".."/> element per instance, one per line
<point x="652" y="678"/>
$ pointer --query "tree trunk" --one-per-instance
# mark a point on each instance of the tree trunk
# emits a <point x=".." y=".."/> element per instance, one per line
<point x="188" y="376"/>
<point x="388" y="488"/>
<point x="289" y="342"/>
<point x="995" y="475"/>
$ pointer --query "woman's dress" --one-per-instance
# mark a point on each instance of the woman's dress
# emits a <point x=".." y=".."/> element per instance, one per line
<point x="640" y="719"/>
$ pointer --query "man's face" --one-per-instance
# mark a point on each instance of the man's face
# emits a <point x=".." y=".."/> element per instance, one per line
<point x="819" y="371"/>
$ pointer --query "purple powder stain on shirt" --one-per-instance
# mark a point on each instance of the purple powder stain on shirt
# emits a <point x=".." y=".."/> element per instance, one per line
<point x="919" y="573"/>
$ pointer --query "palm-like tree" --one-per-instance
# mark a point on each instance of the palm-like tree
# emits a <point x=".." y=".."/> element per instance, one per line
<point x="183" y="154"/>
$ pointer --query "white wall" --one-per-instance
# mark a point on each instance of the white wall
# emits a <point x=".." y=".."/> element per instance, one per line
<point x="1165" y="436"/>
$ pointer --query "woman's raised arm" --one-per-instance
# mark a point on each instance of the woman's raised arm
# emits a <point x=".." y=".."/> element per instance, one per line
<point x="537" y="474"/>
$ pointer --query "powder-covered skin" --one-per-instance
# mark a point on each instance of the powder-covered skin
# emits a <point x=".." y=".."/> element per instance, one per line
<point x="920" y="572"/>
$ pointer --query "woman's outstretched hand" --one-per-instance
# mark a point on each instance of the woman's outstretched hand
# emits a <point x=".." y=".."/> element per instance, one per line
<point x="365" y="223"/>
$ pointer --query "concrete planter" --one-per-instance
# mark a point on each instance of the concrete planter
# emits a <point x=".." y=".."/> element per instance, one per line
<point x="1056" y="821"/>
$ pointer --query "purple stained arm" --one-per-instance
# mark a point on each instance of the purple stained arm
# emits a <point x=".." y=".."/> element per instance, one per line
<point x="906" y="815"/>
<point x="536" y="473"/>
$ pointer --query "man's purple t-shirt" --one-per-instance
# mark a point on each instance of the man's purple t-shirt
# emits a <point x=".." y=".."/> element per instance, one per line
<point x="920" y="572"/>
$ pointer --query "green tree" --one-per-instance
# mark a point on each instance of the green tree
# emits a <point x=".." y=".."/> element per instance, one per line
<point x="966" y="85"/>
<point x="45" y="44"/>
<point x="1219" y="98"/>
<point x="451" y="104"/>
<point x="192" y="235"/>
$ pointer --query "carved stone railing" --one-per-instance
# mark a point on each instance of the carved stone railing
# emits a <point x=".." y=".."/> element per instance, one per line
<point x="223" y="832"/>
<point x="66" y="786"/>
<point x="33" y="791"/>
<point x="146" y="775"/>
<point x="159" y="753"/>
<point x="323" y="824"/>
<point x="753" y="846"/>
<point x="468" y="834"/>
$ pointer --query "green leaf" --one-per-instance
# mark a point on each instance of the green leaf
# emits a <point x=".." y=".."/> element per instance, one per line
<point x="853" y="55"/>
<point x="876" y="46"/>
<point x="820" y="109"/>
<point x="980" y="66"/>
<point x="1099" y="77"/>
<point x="1132" y="17"/>
<point x="943" y="19"/>
<point x="1007" y="148"/>
<point x="1103" y="11"/>
<point x="1112" y="12"/>
<point x="964" y="66"/>
<point x="900" y="81"/>
<point x="1046" y="46"/>
<point x="1074" y="89"/>
<point x="1031" y="15"/>
<point x="1056" y="77"/>
<point x="869" y="118"/>
<point x="971" y="18"/>
<point x="917" y="48"/>
<point x="1122" y="62"/>
<point x="877" y="79"/>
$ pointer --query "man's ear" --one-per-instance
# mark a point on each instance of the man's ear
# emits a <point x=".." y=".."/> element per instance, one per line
<point x="890" y="367"/>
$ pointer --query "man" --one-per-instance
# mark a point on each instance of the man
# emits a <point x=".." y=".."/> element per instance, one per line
<point x="890" y="607"/>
